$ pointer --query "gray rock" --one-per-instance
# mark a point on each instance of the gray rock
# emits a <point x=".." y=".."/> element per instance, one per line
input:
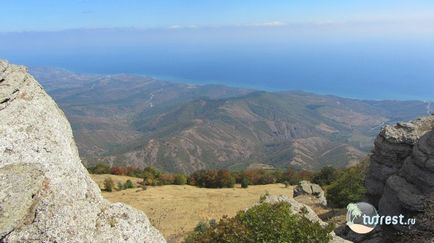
<point x="46" y="194"/>
<point x="308" y="188"/>
<point x="393" y="146"/>
<point x="404" y="187"/>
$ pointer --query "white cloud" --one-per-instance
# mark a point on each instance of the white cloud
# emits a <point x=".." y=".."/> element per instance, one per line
<point x="271" y="24"/>
<point x="183" y="27"/>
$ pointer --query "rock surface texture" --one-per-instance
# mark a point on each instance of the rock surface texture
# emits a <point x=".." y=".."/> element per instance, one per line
<point x="308" y="188"/>
<point x="46" y="194"/>
<point x="400" y="177"/>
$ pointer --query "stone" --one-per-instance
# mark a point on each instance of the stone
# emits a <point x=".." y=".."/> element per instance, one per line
<point x="308" y="188"/>
<point x="393" y="146"/>
<point x="408" y="187"/>
<point x="46" y="194"/>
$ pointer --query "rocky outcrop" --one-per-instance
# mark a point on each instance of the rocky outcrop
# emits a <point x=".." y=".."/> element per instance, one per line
<point x="46" y="195"/>
<point x="308" y="188"/>
<point x="393" y="146"/>
<point x="304" y="210"/>
<point x="400" y="177"/>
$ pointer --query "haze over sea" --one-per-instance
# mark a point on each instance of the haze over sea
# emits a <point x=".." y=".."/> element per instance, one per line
<point x="367" y="49"/>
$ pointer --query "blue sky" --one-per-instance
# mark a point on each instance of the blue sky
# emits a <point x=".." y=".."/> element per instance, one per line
<point x="374" y="49"/>
<point x="43" y="15"/>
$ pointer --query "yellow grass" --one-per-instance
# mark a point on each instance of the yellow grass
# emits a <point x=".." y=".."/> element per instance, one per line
<point x="176" y="210"/>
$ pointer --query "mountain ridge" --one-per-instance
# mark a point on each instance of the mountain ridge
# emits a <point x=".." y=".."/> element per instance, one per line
<point x="140" y="121"/>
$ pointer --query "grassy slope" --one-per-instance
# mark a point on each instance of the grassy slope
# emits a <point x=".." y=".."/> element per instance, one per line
<point x="176" y="210"/>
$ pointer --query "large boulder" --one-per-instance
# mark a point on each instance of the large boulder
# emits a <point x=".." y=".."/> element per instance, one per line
<point x="393" y="146"/>
<point x="311" y="189"/>
<point x="46" y="195"/>
<point x="400" y="178"/>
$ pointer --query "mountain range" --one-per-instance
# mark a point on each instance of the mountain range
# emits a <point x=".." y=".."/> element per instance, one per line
<point x="141" y="121"/>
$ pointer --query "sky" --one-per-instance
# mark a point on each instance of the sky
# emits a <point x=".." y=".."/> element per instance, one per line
<point x="369" y="49"/>
<point x="29" y="15"/>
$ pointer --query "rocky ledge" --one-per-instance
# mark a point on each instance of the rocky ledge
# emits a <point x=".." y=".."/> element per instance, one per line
<point x="46" y="195"/>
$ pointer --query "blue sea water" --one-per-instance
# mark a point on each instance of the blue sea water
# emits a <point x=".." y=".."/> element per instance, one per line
<point x="366" y="69"/>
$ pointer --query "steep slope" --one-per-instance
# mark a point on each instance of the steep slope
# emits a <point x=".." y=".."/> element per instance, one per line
<point x="291" y="128"/>
<point x="46" y="194"/>
<point x="102" y="107"/>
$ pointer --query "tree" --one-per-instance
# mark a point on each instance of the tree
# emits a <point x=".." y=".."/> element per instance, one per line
<point x="128" y="184"/>
<point x="100" y="169"/>
<point x="348" y="187"/>
<point x="244" y="182"/>
<point x="120" y="186"/>
<point x="180" y="179"/>
<point x="326" y="176"/>
<point x="150" y="176"/>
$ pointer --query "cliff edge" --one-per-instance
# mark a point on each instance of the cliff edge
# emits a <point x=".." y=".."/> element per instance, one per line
<point x="46" y="195"/>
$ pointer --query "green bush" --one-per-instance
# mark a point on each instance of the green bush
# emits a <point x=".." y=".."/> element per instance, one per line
<point x="263" y="223"/>
<point x="326" y="176"/>
<point x="100" y="169"/>
<point x="180" y="179"/>
<point x="108" y="184"/>
<point x="150" y="176"/>
<point x="244" y="182"/>
<point x="128" y="184"/>
<point x="120" y="186"/>
<point x="348" y="187"/>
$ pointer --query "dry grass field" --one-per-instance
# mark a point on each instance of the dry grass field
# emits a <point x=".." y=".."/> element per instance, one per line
<point x="176" y="210"/>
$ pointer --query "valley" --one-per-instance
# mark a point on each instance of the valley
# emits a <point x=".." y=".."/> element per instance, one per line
<point x="138" y="121"/>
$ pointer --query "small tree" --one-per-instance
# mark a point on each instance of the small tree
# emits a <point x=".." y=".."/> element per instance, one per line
<point x="100" y="169"/>
<point x="180" y="179"/>
<point x="120" y="186"/>
<point x="244" y="182"/>
<point x="108" y="184"/>
<point x="326" y="176"/>
<point x="129" y="184"/>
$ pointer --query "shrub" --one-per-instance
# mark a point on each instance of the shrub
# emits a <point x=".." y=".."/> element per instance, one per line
<point x="212" y="179"/>
<point x="120" y="186"/>
<point x="128" y="184"/>
<point x="108" y="184"/>
<point x="180" y="179"/>
<point x="100" y="169"/>
<point x="348" y="187"/>
<point x="166" y="179"/>
<point x="244" y="182"/>
<point x="225" y="179"/>
<point x="150" y="176"/>
<point x="116" y="170"/>
<point x="263" y="223"/>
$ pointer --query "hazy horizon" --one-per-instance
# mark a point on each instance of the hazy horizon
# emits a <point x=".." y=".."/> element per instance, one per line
<point x="358" y="49"/>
